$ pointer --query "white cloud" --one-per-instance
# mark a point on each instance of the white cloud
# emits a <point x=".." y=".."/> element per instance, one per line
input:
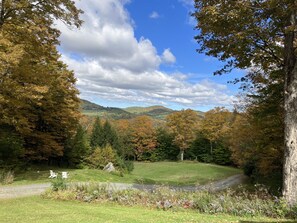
<point x="187" y="3"/>
<point x="154" y="15"/>
<point x="168" y="57"/>
<point x="111" y="64"/>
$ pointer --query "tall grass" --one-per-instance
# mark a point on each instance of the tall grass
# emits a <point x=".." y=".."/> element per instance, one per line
<point x="6" y="177"/>
<point x="231" y="202"/>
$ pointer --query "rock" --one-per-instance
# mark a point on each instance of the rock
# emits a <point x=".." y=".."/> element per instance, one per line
<point x="109" y="167"/>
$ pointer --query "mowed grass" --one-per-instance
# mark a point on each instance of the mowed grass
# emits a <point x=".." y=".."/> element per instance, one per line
<point x="36" y="209"/>
<point x="167" y="173"/>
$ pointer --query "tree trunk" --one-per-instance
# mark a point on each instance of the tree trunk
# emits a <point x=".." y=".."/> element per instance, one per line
<point x="211" y="148"/>
<point x="182" y="155"/>
<point x="290" y="122"/>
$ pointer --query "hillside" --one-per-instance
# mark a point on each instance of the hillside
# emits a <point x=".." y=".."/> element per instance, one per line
<point x="92" y="109"/>
<point x="142" y="110"/>
<point x="156" y="112"/>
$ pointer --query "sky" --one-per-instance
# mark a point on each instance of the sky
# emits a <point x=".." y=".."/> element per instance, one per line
<point x="143" y="53"/>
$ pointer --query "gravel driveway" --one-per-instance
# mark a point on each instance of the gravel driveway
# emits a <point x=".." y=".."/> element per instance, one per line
<point x="7" y="192"/>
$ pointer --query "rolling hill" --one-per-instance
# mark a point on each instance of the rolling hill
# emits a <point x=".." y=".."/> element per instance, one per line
<point x="91" y="109"/>
<point x="156" y="112"/>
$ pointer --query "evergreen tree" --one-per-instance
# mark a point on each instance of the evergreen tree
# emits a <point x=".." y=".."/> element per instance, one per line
<point x="166" y="148"/>
<point x="78" y="147"/>
<point x="110" y="136"/>
<point x="97" y="136"/>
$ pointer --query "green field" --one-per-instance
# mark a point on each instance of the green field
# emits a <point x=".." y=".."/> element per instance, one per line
<point x="36" y="209"/>
<point x="171" y="173"/>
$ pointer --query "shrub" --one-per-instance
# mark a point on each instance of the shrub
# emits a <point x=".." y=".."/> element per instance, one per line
<point x="124" y="165"/>
<point x="101" y="157"/>
<point x="6" y="177"/>
<point x="129" y="166"/>
<point x="59" y="184"/>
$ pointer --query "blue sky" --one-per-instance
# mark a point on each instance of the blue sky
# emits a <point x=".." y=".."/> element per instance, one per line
<point x="142" y="53"/>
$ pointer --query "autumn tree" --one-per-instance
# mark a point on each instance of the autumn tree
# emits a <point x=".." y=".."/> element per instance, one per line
<point x="183" y="125"/>
<point x="38" y="98"/>
<point x="260" y="35"/>
<point x="143" y="136"/>
<point x="215" y="125"/>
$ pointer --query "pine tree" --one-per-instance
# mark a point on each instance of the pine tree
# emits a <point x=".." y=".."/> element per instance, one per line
<point x="110" y="136"/>
<point x="97" y="136"/>
<point x="77" y="148"/>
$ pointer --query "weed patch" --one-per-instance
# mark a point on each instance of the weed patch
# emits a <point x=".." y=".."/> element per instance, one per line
<point x="232" y="202"/>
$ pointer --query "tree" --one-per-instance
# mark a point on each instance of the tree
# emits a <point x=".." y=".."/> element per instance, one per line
<point x="124" y="132"/>
<point x="97" y="136"/>
<point x="38" y="98"/>
<point x="110" y="135"/>
<point x="259" y="35"/>
<point x="215" y="125"/>
<point x="183" y="125"/>
<point x="78" y="147"/>
<point x="143" y="136"/>
<point x="166" y="149"/>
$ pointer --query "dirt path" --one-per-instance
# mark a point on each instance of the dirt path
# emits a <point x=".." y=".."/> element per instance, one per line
<point x="7" y="192"/>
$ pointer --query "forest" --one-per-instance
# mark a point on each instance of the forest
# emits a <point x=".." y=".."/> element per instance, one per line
<point x="41" y="122"/>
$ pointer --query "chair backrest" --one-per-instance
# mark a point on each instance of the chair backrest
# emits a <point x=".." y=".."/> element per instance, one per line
<point x="64" y="175"/>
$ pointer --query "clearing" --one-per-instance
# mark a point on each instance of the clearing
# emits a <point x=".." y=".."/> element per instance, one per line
<point x="167" y="173"/>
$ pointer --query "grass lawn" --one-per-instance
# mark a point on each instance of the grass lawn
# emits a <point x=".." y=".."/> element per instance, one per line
<point x="36" y="209"/>
<point x="172" y="173"/>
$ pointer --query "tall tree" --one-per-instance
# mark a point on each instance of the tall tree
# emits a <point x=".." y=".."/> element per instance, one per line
<point x="215" y="125"/>
<point x="110" y="136"/>
<point x="143" y="136"/>
<point x="97" y="136"/>
<point x="183" y="125"/>
<point x="259" y="35"/>
<point x="38" y="98"/>
<point x="77" y="148"/>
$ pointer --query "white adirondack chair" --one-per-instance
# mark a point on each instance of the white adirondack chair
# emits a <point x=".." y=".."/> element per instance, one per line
<point x="64" y="175"/>
<point x="53" y="174"/>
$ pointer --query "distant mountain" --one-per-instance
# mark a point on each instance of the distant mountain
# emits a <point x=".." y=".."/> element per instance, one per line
<point x="91" y="109"/>
<point x="156" y="112"/>
<point x="141" y="110"/>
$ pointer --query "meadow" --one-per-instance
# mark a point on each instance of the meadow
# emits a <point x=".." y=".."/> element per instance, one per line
<point x="165" y="173"/>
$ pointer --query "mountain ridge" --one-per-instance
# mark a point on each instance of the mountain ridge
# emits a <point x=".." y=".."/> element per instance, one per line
<point x="156" y="111"/>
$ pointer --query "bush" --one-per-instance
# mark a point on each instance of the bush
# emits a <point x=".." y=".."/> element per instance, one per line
<point x="124" y="165"/>
<point x="6" y="177"/>
<point x="129" y="166"/>
<point x="59" y="184"/>
<point x="101" y="157"/>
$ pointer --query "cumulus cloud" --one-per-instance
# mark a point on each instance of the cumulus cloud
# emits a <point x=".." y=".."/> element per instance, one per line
<point x="168" y="57"/>
<point x="112" y="64"/>
<point x="154" y="15"/>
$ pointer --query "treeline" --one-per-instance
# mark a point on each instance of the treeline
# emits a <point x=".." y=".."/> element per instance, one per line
<point x="184" y="135"/>
<point x="250" y="139"/>
<point x="38" y="98"/>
